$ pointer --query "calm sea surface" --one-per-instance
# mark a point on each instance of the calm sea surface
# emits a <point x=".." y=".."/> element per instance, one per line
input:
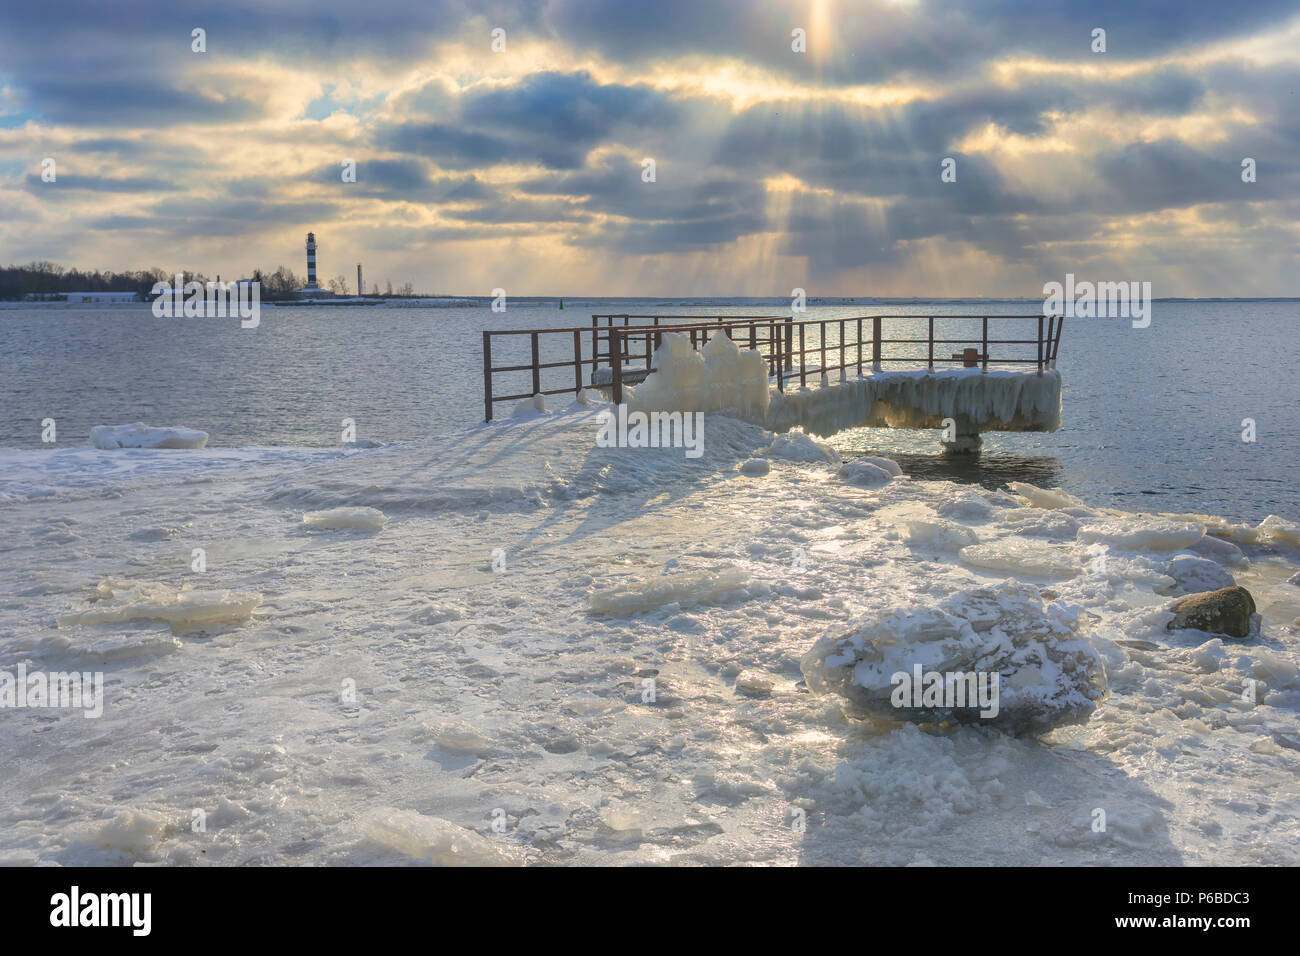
<point x="1153" y="417"/>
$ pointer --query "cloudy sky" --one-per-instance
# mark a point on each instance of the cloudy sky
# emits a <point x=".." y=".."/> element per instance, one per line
<point x="523" y="169"/>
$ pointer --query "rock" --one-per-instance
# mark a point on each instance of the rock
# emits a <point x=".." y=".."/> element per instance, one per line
<point x="1225" y="611"/>
<point x="1195" y="574"/>
<point x="1294" y="579"/>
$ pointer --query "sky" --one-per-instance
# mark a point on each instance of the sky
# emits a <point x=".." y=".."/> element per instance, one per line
<point x="524" y="168"/>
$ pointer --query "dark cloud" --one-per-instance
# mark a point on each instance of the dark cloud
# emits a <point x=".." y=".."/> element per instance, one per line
<point x="549" y="119"/>
<point x="875" y="41"/>
<point x="65" y="183"/>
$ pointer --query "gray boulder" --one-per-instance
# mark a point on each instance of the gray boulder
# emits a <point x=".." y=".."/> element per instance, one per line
<point x="1227" y="611"/>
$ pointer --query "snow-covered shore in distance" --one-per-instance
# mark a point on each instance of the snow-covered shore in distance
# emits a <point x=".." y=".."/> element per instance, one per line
<point x="603" y="647"/>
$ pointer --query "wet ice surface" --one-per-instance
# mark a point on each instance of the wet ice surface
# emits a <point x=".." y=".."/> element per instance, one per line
<point x="599" y="651"/>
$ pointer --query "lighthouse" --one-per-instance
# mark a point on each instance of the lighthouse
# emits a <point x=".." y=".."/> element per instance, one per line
<point x="311" y="290"/>
<point x="311" y="262"/>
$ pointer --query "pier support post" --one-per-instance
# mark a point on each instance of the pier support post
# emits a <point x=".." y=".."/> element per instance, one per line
<point x="965" y="438"/>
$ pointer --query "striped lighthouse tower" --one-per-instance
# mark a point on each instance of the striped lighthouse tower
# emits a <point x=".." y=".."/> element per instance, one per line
<point x="311" y="261"/>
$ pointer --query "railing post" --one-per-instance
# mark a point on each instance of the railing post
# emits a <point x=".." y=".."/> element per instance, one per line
<point x="821" y="335"/>
<point x="789" y="343"/>
<point x="616" y="363"/>
<point x="595" y="341"/>
<point x="843" y="363"/>
<point x="875" y="343"/>
<point x="803" y="365"/>
<point x="930" y="359"/>
<point x="537" y="371"/>
<point x="859" y="346"/>
<point x="776" y="351"/>
<point x="1040" y="345"/>
<point x="984" y="349"/>
<point x="577" y="362"/>
<point x="487" y="376"/>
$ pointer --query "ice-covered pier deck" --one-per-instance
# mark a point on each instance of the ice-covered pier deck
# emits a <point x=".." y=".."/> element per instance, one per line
<point x="981" y="372"/>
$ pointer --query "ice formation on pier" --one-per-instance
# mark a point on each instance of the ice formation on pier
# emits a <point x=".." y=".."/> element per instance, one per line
<point x="974" y="400"/>
<point x="718" y="377"/>
<point x="722" y="377"/>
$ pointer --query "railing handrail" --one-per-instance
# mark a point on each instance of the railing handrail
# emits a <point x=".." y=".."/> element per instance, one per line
<point x="779" y="342"/>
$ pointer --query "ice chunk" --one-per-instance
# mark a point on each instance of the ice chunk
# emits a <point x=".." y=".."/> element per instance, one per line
<point x="1039" y="673"/>
<point x="120" y="601"/>
<point x="362" y="517"/>
<point x="686" y="589"/>
<point x="754" y="683"/>
<point x="1279" y="529"/>
<point x="864" y="473"/>
<point x="1224" y="552"/>
<point x="755" y="466"/>
<point x="888" y="464"/>
<point x="1023" y="557"/>
<point x="431" y="839"/>
<point x="1137" y="534"/>
<point x="1041" y="523"/>
<point x="463" y="738"/>
<point x="935" y="534"/>
<point x="530" y="407"/>
<point x="134" y="835"/>
<point x="1198" y="574"/>
<point x="796" y="446"/>
<point x="141" y="435"/>
<point x="1037" y="497"/>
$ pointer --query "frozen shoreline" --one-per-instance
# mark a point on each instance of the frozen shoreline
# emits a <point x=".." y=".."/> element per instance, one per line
<point x="480" y="690"/>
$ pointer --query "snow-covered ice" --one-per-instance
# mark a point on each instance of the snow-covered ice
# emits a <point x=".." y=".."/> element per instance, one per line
<point x="601" y="648"/>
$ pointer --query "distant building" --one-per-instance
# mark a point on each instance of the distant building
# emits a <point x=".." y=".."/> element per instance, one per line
<point x="102" y="296"/>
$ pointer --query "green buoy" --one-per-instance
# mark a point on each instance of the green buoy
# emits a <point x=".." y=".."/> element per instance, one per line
<point x="561" y="305"/>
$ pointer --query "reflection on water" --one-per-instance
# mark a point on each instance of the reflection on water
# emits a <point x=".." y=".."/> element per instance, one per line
<point x="989" y="471"/>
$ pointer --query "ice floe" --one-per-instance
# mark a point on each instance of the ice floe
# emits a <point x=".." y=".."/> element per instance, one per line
<point x="141" y="435"/>
<point x="119" y="601"/>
